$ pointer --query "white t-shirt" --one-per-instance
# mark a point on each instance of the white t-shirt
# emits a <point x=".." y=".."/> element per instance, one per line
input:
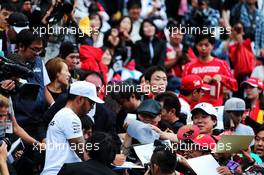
<point x="64" y="126"/>
<point x="244" y="130"/>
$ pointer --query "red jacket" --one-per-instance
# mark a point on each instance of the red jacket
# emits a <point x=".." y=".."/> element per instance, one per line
<point x="216" y="66"/>
<point x="91" y="60"/>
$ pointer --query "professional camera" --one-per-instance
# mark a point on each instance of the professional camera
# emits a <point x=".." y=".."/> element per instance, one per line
<point x="64" y="7"/>
<point x="13" y="69"/>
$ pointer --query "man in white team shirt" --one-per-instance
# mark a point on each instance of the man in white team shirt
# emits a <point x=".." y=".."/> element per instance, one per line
<point x="65" y="142"/>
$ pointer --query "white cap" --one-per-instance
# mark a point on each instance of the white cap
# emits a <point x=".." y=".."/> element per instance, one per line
<point x="85" y="89"/>
<point x="206" y="107"/>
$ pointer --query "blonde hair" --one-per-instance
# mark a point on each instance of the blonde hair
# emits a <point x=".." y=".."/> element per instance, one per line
<point x="4" y="102"/>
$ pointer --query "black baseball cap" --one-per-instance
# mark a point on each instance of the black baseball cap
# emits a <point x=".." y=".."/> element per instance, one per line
<point x="18" y="21"/>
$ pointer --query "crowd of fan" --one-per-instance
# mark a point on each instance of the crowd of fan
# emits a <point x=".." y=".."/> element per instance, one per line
<point x="107" y="75"/>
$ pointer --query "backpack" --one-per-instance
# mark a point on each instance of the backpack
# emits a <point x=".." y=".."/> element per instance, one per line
<point x="242" y="58"/>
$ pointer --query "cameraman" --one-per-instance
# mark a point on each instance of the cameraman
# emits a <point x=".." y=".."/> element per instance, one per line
<point x="29" y="113"/>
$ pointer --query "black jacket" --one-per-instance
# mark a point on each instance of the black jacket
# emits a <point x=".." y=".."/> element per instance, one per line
<point x="141" y="53"/>
<point x="104" y="119"/>
<point x="90" y="167"/>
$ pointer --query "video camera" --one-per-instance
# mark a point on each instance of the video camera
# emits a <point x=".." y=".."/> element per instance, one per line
<point x="13" y="69"/>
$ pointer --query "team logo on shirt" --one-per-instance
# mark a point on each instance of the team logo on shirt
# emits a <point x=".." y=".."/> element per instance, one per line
<point x="205" y="69"/>
<point x="52" y="123"/>
<point x="196" y="83"/>
<point x="76" y="127"/>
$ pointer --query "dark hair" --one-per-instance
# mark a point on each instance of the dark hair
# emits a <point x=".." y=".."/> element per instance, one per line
<point x="261" y="101"/>
<point x="93" y="14"/>
<point x="106" y="41"/>
<point x="201" y="37"/>
<point x="85" y="74"/>
<point x="261" y="128"/>
<point x="173" y="23"/>
<point x="71" y="96"/>
<point x="133" y="3"/>
<point x="87" y="123"/>
<point x="141" y="29"/>
<point x="93" y="7"/>
<point x="185" y="92"/>
<point x="104" y="149"/>
<point x="66" y="48"/>
<point x="141" y="77"/>
<point x="226" y="120"/>
<point x="26" y="37"/>
<point x="170" y="101"/>
<point x="7" y="6"/>
<point x="104" y="48"/>
<point x="125" y="93"/>
<point x="237" y="28"/>
<point x="150" y="71"/>
<point x="165" y="159"/>
<point x="131" y="27"/>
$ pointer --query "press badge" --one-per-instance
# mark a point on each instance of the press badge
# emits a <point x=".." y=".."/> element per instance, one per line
<point x="9" y="127"/>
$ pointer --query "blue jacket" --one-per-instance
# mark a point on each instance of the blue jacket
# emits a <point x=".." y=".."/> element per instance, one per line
<point x="28" y="111"/>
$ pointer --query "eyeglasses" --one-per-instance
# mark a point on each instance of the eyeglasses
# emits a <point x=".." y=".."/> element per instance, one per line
<point x="36" y="50"/>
